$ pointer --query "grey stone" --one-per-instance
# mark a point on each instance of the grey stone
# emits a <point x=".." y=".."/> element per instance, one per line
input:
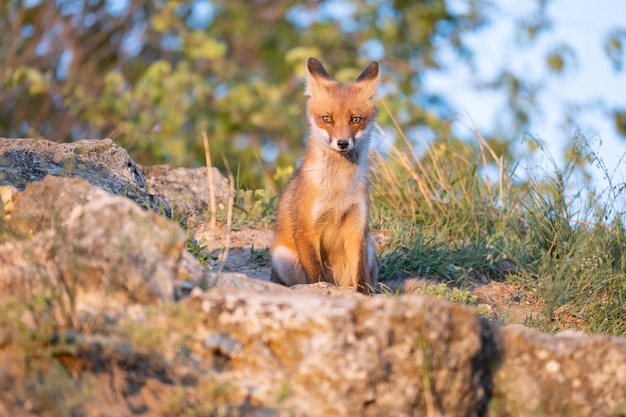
<point x="187" y="190"/>
<point x="99" y="161"/>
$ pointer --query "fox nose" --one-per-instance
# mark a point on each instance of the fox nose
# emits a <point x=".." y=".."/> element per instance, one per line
<point x="343" y="144"/>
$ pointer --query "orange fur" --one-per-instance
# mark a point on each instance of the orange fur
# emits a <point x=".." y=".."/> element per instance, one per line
<point x="322" y="231"/>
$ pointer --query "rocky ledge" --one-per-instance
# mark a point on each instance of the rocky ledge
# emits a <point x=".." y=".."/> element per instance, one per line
<point x="104" y="312"/>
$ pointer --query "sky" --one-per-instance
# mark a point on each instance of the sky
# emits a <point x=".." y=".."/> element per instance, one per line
<point x="591" y="78"/>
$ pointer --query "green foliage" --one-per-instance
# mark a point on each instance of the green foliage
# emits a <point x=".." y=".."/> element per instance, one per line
<point x="455" y="295"/>
<point x="285" y="392"/>
<point x="254" y="208"/>
<point x="153" y="75"/>
<point x="198" y="251"/>
<point x="261" y="257"/>
<point x="31" y="327"/>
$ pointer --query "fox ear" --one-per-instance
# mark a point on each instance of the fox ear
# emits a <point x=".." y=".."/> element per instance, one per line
<point x="368" y="80"/>
<point x="317" y="77"/>
<point x="316" y="69"/>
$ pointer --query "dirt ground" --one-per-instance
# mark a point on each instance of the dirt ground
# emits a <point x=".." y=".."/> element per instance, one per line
<point x="243" y="246"/>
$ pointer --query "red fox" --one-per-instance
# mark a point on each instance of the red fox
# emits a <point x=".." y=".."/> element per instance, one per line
<point x="322" y="231"/>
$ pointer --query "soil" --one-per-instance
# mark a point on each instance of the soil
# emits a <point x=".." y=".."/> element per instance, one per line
<point x="248" y="249"/>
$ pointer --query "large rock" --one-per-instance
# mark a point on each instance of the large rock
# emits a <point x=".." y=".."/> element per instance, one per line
<point x="349" y="355"/>
<point x="567" y="374"/>
<point x="68" y="234"/>
<point x="99" y="161"/>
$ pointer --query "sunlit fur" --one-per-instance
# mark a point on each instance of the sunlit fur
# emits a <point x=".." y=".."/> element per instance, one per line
<point x="322" y="231"/>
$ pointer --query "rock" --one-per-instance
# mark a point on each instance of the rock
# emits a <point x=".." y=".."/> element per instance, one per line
<point x="240" y="281"/>
<point x="349" y="355"/>
<point x="8" y="193"/>
<point x="567" y="374"/>
<point x="99" y="161"/>
<point x="325" y="288"/>
<point x="102" y="250"/>
<point x="187" y="190"/>
<point x="409" y="355"/>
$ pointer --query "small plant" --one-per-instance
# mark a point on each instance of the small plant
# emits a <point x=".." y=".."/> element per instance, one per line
<point x="285" y="392"/>
<point x="208" y="397"/>
<point x="454" y="295"/>
<point x="173" y="323"/>
<point x="254" y="208"/>
<point x="39" y="376"/>
<point x="199" y="252"/>
<point x="260" y="257"/>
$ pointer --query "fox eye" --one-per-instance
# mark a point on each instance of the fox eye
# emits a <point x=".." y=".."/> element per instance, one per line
<point x="355" y="120"/>
<point x="327" y="119"/>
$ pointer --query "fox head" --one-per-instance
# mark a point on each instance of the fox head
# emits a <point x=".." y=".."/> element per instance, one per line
<point x="340" y="115"/>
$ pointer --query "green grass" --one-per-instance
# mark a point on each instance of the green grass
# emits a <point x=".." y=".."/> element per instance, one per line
<point x="428" y="256"/>
<point x="254" y="208"/>
<point x="449" y="220"/>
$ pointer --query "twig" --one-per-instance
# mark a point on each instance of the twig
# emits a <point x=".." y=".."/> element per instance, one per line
<point x="229" y="217"/>
<point x="209" y="171"/>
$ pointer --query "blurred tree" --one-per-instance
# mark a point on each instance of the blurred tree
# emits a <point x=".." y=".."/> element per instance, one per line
<point x="153" y="74"/>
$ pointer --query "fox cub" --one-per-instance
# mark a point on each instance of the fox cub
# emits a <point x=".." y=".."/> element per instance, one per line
<point x="322" y="231"/>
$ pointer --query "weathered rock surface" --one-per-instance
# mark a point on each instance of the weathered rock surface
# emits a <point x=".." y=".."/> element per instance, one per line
<point x="567" y="374"/>
<point x="71" y="235"/>
<point x="99" y="161"/>
<point x="91" y="326"/>
<point x="187" y="190"/>
<point x="349" y="354"/>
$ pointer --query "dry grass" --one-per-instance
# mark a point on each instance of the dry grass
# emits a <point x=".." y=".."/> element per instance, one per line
<point x="457" y="211"/>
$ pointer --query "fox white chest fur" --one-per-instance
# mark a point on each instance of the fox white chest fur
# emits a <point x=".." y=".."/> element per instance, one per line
<point x="322" y="231"/>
